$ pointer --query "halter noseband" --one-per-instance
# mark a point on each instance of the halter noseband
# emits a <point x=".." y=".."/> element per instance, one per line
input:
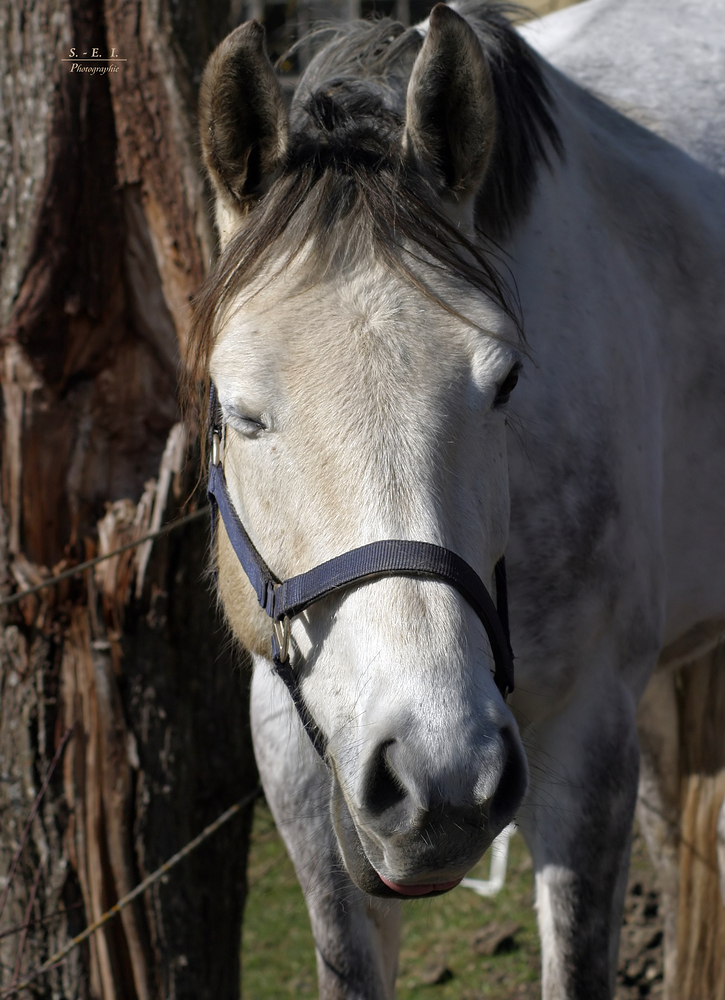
<point x="282" y="600"/>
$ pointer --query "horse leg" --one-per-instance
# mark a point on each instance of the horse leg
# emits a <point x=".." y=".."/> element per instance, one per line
<point x="356" y="937"/>
<point x="577" y="820"/>
<point x="658" y="803"/>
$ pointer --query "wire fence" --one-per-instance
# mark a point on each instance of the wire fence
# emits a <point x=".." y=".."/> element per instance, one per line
<point x="51" y="963"/>
<point x="80" y="568"/>
<point x="58" y="957"/>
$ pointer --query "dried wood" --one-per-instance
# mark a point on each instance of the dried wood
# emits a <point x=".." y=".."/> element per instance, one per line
<point x="701" y="916"/>
<point x="103" y="240"/>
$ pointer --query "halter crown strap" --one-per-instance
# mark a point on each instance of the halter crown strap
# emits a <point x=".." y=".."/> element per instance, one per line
<point x="394" y="557"/>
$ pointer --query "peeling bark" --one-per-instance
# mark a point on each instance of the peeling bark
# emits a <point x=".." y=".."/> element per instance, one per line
<point x="104" y="238"/>
<point x="682" y="793"/>
<point x="701" y="911"/>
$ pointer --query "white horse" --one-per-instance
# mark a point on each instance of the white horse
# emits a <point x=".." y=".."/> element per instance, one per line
<point x="431" y="196"/>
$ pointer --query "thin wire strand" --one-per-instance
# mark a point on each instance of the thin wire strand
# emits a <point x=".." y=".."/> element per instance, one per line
<point x="55" y="915"/>
<point x="82" y="567"/>
<point x="28" y="913"/>
<point x="31" y="817"/>
<point x="123" y="903"/>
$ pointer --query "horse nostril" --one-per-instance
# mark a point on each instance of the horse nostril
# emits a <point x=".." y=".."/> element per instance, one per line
<point x="512" y="783"/>
<point x="382" y="789"/>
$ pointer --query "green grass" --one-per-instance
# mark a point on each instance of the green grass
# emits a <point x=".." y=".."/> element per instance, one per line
<point x="278" y="958"/>
<point x="439" y="932"/>
<point x="278" y="954"/>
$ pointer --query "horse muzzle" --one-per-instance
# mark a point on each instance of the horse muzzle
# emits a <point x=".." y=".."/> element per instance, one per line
<point x="398" y="840"/>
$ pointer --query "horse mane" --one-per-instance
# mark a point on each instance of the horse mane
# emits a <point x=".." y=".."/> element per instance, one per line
<point x="526" y="130"/>
<point x="346" y="187"/>
<point x="378" y="56"/>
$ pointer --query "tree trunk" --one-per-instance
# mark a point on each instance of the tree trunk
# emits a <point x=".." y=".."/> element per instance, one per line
<point x="701" y="916"/>
<point x="682" y="794"/>
<point x="104" y="238"/>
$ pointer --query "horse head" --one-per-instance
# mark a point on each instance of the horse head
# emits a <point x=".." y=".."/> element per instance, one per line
<point x="363" y="351"/>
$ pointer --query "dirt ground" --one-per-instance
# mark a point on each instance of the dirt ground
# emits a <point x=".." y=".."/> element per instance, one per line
<point x="640" y="950"/>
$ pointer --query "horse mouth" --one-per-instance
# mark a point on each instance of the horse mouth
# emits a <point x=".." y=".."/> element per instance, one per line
<point x="361" y="870"/>
<point x="423" y="889"/>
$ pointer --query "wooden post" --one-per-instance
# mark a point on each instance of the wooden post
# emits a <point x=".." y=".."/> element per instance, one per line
<point x="104" y="239"/>
<point x="701" y="916"/>
<point x="681" y="725"/>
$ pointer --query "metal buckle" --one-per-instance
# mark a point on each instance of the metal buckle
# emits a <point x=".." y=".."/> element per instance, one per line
<point x="281" y="634"/>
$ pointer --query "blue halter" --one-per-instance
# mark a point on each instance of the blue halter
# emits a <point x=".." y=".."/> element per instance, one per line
<point x="282" y="600"/>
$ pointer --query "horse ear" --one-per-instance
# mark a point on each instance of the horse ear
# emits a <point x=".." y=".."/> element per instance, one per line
<point x="450" y="112"/>
<point x="243" y="123"/>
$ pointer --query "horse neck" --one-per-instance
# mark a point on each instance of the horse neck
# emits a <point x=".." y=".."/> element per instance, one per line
<point x="621" y="212"/>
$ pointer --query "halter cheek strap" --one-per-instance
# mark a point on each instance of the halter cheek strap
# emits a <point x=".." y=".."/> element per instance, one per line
<point x="282" y="600"/>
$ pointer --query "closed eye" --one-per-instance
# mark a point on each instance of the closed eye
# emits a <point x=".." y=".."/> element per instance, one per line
<point x="507" y="386"/>
<point x="244" y="423"/>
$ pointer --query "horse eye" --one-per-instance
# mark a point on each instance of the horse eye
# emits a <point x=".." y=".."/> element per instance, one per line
<point x="250" y="425"/>
<point x="243" y="423"/>
<point x="507" y="386"/>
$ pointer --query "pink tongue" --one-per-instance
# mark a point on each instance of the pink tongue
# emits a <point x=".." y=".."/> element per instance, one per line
<point x="419" y="890"/>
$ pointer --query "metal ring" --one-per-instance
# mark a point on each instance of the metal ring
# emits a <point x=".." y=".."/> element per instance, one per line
<point x="216" y="448"/>
<point x="281" y="633"/>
